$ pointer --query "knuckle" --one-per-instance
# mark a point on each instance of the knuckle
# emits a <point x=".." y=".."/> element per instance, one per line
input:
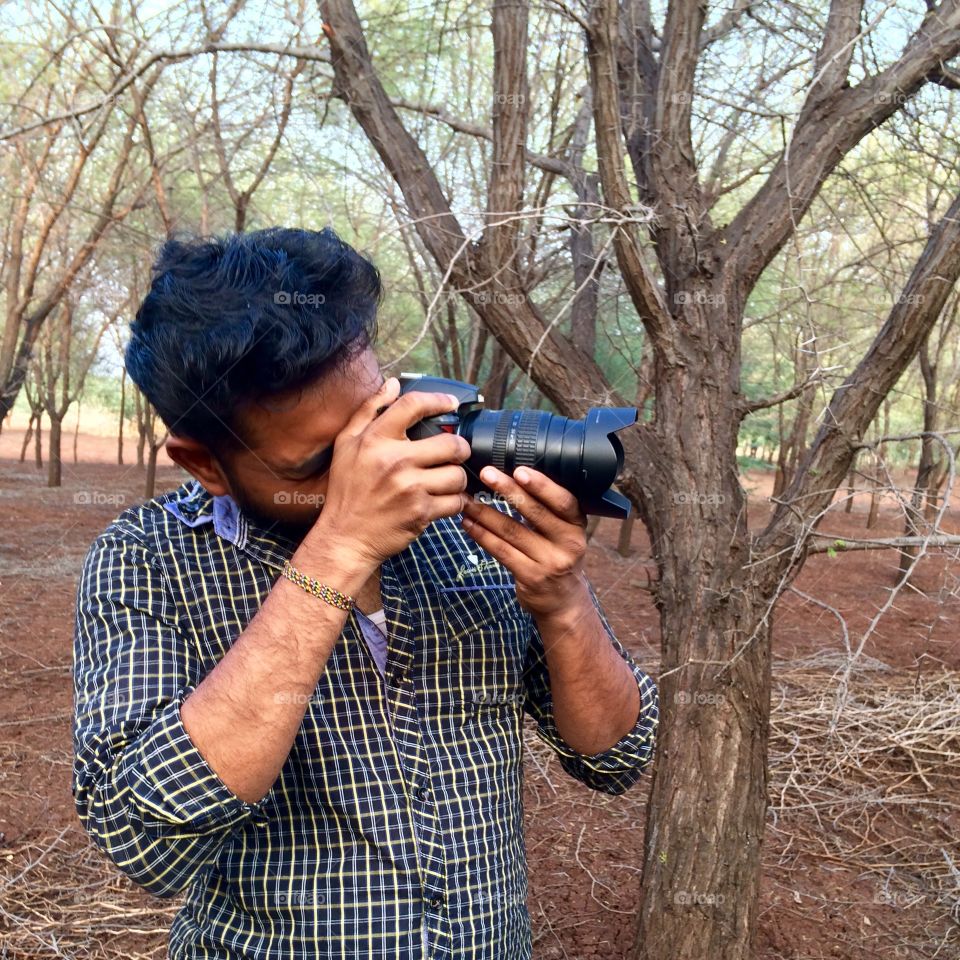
<point x="422" y="513"/>
<point x="576" y="549"/>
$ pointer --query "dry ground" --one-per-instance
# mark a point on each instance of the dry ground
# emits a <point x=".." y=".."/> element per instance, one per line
<point x="861" y="856"/>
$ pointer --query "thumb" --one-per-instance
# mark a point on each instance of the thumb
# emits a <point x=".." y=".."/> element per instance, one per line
<point x="369" y="410"/>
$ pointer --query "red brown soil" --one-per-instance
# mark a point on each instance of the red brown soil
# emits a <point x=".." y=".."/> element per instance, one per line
<point x="585" y="849"/>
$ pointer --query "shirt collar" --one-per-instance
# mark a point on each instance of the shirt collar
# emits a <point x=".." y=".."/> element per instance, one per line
<point x="194" y="505"/>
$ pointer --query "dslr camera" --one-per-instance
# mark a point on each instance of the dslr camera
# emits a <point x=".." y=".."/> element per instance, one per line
<point x="583" y="456"/>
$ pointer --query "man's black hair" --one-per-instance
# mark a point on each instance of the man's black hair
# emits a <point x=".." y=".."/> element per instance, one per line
<point x="241" y="317"/>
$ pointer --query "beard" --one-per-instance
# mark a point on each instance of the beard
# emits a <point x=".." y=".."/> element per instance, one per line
<point x="294" y="531"/>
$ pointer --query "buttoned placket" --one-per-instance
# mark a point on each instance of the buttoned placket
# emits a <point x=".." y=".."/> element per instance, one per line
<point x="399" y="697"/>
<point x="401" y="685"/>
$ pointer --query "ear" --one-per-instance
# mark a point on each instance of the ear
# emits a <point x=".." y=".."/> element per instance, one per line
<point x="198" y="461"/>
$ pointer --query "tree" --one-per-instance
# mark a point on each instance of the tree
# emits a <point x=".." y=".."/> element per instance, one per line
<point x="35" y="278"/>
<point x="689" y="276"/>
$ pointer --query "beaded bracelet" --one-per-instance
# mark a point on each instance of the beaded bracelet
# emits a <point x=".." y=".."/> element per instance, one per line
<point x="318" y="589"/>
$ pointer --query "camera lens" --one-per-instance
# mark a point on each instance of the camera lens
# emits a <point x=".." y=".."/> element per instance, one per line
<point x="584" y="456"/>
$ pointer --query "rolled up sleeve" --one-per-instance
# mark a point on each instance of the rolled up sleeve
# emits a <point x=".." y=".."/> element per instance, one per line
<point x="617" y="768"/>
<point x="143" y="791"/>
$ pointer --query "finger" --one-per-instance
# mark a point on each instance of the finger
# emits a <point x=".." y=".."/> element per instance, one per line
<point x="529" y="542"/>
<point x="449" y="505"/>
<point x="516" y="561"/>
<point x="560" y="501"/>
<point x="538" y="514"/>
<point x="366" y="413"/>
<point x="442" y="448"/>
<point x="412" y="407"/>
<point x="446" y="479"/>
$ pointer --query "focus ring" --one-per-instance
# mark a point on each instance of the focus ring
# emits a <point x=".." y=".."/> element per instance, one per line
<point x="527" y="430"/>
<point x="498" y="453"/>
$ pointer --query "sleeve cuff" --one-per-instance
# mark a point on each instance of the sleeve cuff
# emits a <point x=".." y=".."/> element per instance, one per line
<point x="632" y="751"/>
<point x="177" y="788"/>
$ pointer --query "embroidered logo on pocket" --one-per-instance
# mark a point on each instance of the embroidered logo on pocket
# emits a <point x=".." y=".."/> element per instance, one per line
<point x="473" y="566"/>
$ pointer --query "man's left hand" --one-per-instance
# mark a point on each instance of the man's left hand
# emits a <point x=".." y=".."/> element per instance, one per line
<point x="545" y="557"/>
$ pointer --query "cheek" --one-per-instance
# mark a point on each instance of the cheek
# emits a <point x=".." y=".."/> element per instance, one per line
<point x="305" y="500"/>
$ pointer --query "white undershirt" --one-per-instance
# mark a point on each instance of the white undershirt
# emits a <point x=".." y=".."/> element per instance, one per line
<point x="379" y="617"/>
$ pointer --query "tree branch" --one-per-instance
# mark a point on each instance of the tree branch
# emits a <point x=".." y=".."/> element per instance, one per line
<point x="831" y="123"/>
<point x="855" y="403"/>
<point x="510" y="96"/>
<point x="752" y="406"/>
<point x="601" y="53"/>
<point x="572" y="381"/>
<point x="832" y="543"/>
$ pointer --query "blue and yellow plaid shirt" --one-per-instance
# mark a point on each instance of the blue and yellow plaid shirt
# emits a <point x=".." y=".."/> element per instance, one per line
<point x="395" y="828"/>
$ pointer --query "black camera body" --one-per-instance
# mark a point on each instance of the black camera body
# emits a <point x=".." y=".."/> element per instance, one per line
<point x="583" y="456"/>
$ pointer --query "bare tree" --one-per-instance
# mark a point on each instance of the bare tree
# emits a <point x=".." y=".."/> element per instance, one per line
<point x="718" y="582"/>
<point x="35" y="278"/>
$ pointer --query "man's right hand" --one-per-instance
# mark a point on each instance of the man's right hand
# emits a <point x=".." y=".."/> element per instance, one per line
<point x="384" y="489"/>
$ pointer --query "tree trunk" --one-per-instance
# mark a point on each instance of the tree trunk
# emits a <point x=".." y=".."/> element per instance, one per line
<point x="495" y="386"/>
<point x="76" y="431"/>
<point x="27" y="434"/>
<point x="123" y="410"/>
<point x="592" y="523"/>
<point x="876" y="483"/>
<point x="38" y="442"/>
<point x="54" y="463"/>
<point x="708" y="803"/>
<point x="626" y="532"/>
<point x="18" y="372"/>
<point x="927" y="465"/>
<point x="141" y="427"/>
<point x="851" y="490"/>
<point x="151" y="478"/>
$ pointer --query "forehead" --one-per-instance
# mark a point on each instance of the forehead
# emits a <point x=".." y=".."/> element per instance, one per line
<point x="292" y="425"/>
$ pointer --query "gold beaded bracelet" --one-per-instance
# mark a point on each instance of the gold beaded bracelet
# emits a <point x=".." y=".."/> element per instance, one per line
<point x="318" y="589"/>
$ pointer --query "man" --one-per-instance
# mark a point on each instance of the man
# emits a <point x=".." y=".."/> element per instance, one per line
<point x="319" y="785"/>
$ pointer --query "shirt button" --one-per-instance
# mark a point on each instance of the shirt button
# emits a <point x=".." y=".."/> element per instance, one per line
<point x="436" y="901"/>
<point x="423" y="793"/>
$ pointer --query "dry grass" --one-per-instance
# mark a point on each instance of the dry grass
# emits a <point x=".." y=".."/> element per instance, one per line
<point x="871" y="791"/>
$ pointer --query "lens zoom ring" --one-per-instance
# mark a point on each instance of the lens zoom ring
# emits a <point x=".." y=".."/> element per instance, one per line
<point x="527" y="429"/>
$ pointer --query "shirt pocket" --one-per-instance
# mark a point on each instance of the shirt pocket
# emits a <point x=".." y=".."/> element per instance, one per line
<point x="481" y="648"/>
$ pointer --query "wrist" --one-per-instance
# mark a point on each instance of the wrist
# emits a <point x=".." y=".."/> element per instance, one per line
<point x="565" y="613"/>
<point x="334" y="559"/>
